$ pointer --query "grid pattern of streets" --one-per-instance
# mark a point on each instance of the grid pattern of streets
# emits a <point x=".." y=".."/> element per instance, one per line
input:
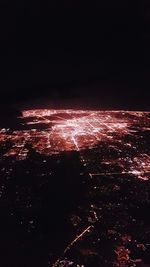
<point x="53" y="131"/>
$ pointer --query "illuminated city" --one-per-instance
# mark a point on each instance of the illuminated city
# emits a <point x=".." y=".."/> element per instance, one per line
<point x="67" y="130"/>
<point x="101" y="159"/>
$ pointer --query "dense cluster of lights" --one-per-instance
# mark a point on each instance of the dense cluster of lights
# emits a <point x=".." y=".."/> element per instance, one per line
<point x="64" y="130"/>
<point x="53" y="131"/>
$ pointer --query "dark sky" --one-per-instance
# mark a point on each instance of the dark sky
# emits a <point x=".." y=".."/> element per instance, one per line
<point x="74" y="49"/>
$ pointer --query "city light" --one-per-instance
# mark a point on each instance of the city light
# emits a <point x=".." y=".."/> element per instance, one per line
<point x="53" y="131"/>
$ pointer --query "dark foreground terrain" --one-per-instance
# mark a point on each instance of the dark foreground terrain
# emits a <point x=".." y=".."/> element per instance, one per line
<point x="75" y="188"/>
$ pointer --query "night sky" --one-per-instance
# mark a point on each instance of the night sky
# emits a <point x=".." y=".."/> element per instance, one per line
<point x="75" y="51"/>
